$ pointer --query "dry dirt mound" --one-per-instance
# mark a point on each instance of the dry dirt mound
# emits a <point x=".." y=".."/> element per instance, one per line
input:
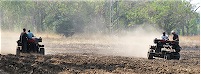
<point x="93" y="63"/>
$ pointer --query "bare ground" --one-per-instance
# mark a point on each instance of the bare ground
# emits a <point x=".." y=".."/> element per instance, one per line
<point x="94" y="63"/>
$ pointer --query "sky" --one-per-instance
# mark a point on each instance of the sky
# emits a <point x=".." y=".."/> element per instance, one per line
<point x="197" y="3"/>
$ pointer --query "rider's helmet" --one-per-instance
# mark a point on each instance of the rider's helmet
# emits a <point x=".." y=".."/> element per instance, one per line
<point x="172" y="32"/>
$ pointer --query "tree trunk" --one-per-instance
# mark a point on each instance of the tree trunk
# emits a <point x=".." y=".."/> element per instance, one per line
<point x="187" y="31"/>
<point x="183" y="31"/>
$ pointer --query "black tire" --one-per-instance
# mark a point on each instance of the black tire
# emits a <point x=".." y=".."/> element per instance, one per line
<point x="177" y="49"/>
<point x="167" y="56"/>
<point x="177" y="56"/>
<point x="18" y="51"/>
<point x="42" y="51"/>
<point x="150" y="55"/>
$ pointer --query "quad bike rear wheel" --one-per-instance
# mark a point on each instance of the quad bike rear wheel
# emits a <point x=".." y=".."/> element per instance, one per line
<point x="42" y="51"/>
<point x="177" y="56"/>
<point x="18" y="51"/>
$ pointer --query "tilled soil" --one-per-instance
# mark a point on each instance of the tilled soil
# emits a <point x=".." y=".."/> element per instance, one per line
<point x="95" y="63"/>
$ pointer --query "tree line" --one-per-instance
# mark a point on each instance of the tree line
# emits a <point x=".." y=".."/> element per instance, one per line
<point x="69" y="17"/>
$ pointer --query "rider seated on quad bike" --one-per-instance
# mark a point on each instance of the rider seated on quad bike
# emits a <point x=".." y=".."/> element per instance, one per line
<point x="23" y="40"/>
<point x="32" y="42"/>
<point x="176" y="39"/>
<point x="160" y="43"/>
<point x="164" y="37"/>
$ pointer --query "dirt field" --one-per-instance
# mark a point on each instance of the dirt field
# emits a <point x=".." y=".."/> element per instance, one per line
<point x="100" y="55"/>
<point x="93" y="63"/>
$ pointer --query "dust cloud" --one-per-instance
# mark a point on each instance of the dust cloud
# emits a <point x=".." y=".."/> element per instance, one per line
<point x="134" y="43"/>
<point x="8" y="42"/>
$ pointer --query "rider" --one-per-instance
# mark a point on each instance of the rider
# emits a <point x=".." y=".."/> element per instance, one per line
<point x="30" y="34"/>
<point x="23" y="39"/>
<point x="31" y="41"/>
<point x="175" y="36"/>
<point x="176" y="39"/>
<point x="164" y="36"/>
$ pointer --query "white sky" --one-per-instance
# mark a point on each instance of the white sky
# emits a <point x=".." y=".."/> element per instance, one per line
<point x="197" y="3"/>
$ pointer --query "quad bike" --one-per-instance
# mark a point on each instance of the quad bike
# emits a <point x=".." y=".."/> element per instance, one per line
<point x="33" y="46"/>
<point x="164" y="49"/>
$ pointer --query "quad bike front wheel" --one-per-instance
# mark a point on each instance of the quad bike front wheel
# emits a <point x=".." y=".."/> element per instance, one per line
<point x="150" y="55"/>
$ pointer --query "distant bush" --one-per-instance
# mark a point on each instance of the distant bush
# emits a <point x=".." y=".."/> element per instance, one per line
<point x="65" y="28"/>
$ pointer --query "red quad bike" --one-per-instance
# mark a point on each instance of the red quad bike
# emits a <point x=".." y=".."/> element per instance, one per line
<point x="164" y="49"/>
<point x="33" y="46"/>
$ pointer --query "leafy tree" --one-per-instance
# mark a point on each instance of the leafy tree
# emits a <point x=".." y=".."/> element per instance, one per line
<point x="85" y="16"/>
